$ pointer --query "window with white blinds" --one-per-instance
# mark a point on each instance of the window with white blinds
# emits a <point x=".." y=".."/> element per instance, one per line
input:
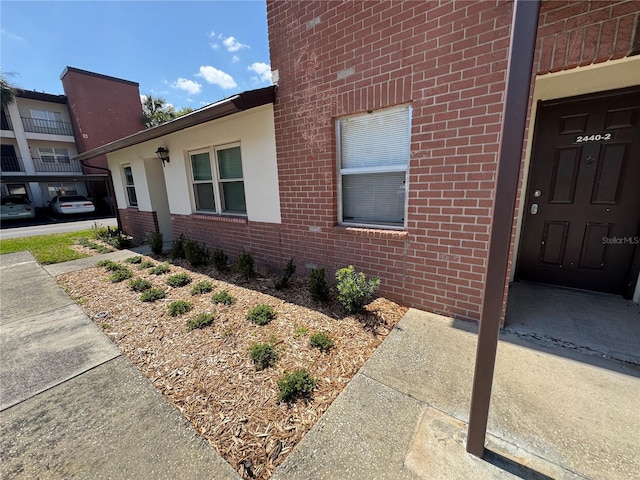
<point x="374" y="150"/>
<point x="130" y="186"/>
<point x="218" y="184"/>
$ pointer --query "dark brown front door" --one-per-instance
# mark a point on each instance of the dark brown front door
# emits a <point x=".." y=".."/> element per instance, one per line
<point x="582" y="217"/>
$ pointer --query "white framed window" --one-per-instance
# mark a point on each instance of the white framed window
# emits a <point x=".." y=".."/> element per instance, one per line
<point x="130" y="186"/>
<point x="373" y="162"/>
<point x="46" y="115"/>
<point x="218" y="182"/>
<point x="54" y="155"/>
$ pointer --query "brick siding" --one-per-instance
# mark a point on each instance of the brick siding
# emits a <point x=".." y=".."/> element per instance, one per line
<point x="137" y="223"/>
<point x="448" y="59"/>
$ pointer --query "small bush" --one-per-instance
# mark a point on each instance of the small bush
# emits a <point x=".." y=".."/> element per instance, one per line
<point x="200" y="321"/>
<point x="245" y="265"/>
<point x="261" y="314"/>
<point x="160" y="269"/>
<point x="179" y="307"/>
<point x="293" y="385"/>
<point x="146" y="264"/>
<point x="152" y="295"/>
<point x="318" y="285"/>
<point x="264" y="355"/>
<point x="196" y="253"/>
<point x="289" y="270"/>
<point x="122" y="273"/>
<point x="178" y="280"/>
<point x="354" y="290"/>
<point x="154" y="240"/>
<point x="139" y="285"/>
<point x="177" y="247"/>
<point x="135" y="260"/>
<point x="116" y="238"/>
<point x="300" y="332"/>
<point x="201" y="287"/>
<point x="108" y="264"/>
<point x="321" y="341"/>
<point x="85" y="242"/>
<point x="223" y="297"/>
<point x="220" y="260"/>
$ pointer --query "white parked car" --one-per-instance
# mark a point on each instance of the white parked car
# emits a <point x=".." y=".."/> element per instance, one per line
<point x="14" y="207"/>
<point x="70" y="204"/>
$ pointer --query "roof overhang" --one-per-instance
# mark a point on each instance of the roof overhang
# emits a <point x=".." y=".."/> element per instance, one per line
<point x="234" y="104"/>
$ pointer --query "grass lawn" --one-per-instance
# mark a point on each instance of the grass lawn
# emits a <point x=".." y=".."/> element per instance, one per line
<point x="47" y="249"/>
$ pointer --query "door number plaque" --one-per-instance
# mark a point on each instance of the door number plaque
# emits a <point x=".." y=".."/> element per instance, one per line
<point x="594" y="137"/>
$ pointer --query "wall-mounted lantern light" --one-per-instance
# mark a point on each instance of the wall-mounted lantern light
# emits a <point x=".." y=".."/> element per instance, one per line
<point x="163" y="155"/>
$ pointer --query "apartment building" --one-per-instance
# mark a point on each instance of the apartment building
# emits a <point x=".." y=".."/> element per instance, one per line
<point x="42" y="132"/>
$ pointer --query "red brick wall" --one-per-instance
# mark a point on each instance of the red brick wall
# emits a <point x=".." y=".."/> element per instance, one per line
<point x="579" y="33"/>
<point x="103" y="109"/>
<point x="137" y="223"/>
<point x="448" y="59"/>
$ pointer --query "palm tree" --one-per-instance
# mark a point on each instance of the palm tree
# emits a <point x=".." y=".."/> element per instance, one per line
<point x="7" y="91"/>
<point x="155" y="111"/>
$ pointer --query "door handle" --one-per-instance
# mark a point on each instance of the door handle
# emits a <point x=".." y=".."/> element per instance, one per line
<point x="534" y="208"/>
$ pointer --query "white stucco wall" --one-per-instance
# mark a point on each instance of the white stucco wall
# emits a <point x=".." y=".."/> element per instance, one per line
<point x="254" y="129"/>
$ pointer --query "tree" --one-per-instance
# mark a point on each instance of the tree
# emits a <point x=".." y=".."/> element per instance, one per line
<point x="155" y="111"/>
<point x="7" y="90"/>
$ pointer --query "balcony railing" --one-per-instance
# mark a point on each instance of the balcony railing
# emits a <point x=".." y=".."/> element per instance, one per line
<point x="11" y="164"/>
<point x="53" y="127"/>
<point x="56" y="165"/>
<point x="5" y="122"/>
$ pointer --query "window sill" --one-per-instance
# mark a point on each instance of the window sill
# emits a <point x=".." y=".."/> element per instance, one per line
<point x="370" y="232"/>
<point x="217" y="217"/>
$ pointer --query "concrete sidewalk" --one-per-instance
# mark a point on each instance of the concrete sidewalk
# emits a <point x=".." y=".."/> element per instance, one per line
<point x="73" y="407"/>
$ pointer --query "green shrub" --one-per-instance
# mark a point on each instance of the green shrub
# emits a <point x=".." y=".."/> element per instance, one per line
<point x="108" y="264"/>
<point x="178" y="280"/>
<point x="154" y="240"/>
<point x="261" y="314"/>
<point x="114" y="237"/>
<point x="137" y="259"/>
<point x="354" y="290"/>
<point x="160" y="269"/>
<point x="196" y="253"/>
<point x="200" y="321"/>
<point x="264" y="355"/>
<point x="300" y="332"/>
<point x="146" y="264"/>
<point x="201" y="287"/>
<point x="85" y="242"/>
<point x="139" y="285"/>
<point x="152" y="295"/>
<point x="245" y="265"/>
<point x="177" y="247"/>
<point x="120" y="274"/>
<point x="179" y="307"/>
<point x="220" y="260"/>
<point x="289" y="270"/>
<point x="318" y="285"/>
<point x="321" y="341"/>
<point x="223" y="297"/>
<point x="293" y="385"/>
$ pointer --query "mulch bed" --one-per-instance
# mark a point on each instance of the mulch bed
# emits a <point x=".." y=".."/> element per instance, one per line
<point x="208" y="373"/>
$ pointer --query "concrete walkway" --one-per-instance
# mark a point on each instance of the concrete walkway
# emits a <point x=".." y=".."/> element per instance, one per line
<point x="73" y="407"/>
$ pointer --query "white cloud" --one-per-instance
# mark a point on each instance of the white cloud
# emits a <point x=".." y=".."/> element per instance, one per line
<point x="262" y="69"/>
<point x="13" y="36"/>
<point x="212" y="34"/>
<point x="231" y="44"/>
<point x="216" y="77"/>
<point x="215" y="46"/>
<point x="189" y="86"/>
<point x="235" y="59"/>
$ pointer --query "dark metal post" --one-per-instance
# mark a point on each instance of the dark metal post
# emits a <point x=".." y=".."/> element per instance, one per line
<point x="523" y="40"/>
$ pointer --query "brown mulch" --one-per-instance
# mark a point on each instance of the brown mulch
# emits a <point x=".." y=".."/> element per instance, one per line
<point x="208" y="374"/>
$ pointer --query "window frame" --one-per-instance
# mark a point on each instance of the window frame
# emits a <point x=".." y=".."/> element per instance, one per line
<point x="128" y="186"/>
<point x="372" y="170"/>
<point x="56" y="155"/>
<point x="216" y="182"/>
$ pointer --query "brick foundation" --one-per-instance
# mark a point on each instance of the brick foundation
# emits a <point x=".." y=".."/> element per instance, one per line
<point x="138" y="224"/>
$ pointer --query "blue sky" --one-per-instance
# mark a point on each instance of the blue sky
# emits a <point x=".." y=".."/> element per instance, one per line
<point x="191" y="53"/>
